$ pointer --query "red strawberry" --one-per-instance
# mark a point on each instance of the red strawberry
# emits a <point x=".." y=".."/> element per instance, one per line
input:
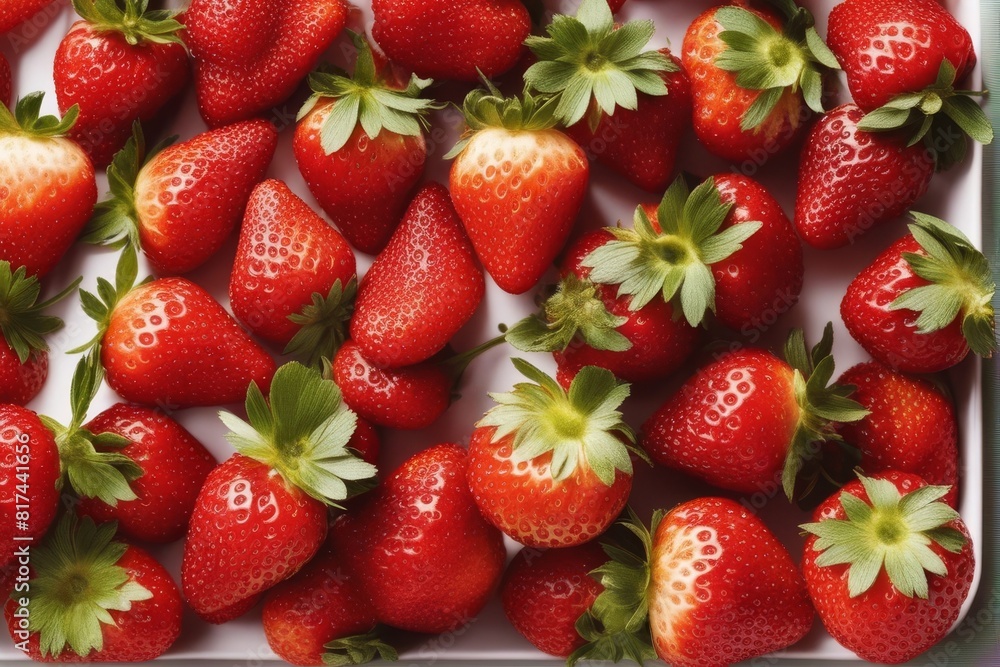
<point x="924" y="302"/>
<point x="615" y="5"/>
<point x="911" y="426"/>
<point x="6" y="85"/>
<point x="419" y="548"/>
<point x="888" y="566"/>
<point x="14" y="12"/>
<point x="551" y="467"/>
<point x="120" y="64"/>
<point x="47" y="186"/>
<point x="251" y="57"/>
<point x="293" y="277"/>
<point x="452" y="39"/>
<point x="181" y="204"/>
<point x="362" y="167"/>
<point x="92" y="599"/>
<point x="517" y="185"/>
<point x="262" y="514"/>
<point x="421" y="289"/>
<point x="850" y="180"/>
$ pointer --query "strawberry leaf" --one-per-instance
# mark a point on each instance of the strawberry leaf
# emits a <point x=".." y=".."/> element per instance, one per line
<point x="99" y="308"/>
<point x="135" y="22"/>
<point x="23" y="321"/>
<point x="358" y="650"/>
<point x="485" y="109"/>
<point x="25" y="119"/>
<point x="323" y="324"/>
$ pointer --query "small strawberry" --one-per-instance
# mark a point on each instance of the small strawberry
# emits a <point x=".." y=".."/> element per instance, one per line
<point x="551" y="467"/>
<point x="47" y="186"/>
<point x="251" y="57"/>
<point x="93" y="599"/>
<point x="888" y="566"/>
<point x="180" y="204"/>
<point x="120" y="64"/>
<point x="360" y="146"/>
<point x="924" y="302"/>
<point x="6" y="85"/>
<point x="14" y="12"/>
<point x="517" y="184"/>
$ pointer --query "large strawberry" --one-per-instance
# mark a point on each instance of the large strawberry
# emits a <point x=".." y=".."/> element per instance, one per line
<point x="250" y="56"/>
<point x="14" y="12"/>
<point x="121" y="63"/>
<point x="925" y="301"/>
<point x="517" y="184"/>
<point x="93" y="599"/>
<point x="262" y="514"/>
<point x="180" y="204"/>
<point x="360" y="146"/>
<point x="888" y="566"/>
<point x="47" y="186"/>
<point x="551" y="467"/>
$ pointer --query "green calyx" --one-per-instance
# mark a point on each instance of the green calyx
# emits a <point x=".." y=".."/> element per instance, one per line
<point x="591" y="64"/>
<point x="935" y="115"/>
<point x="358" y="650"/>
<point x="772" y="62"/>
<point x="581" y="428"/>
<point x="485" y="109"/>
<point x="133" y="19"/>
<point x="101" y="306"/>
<point x="891" y="532"/>
<point x="674" y="262"/>
<point x="26" y="120"/>
<point x="302" y="432"/>
<point x="323" y="324"/>
<point x="23" y="321"/>
<point x="77" y="582"/>
<point x="961" y="286"/>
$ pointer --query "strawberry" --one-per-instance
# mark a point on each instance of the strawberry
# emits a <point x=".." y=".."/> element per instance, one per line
<point x="36" y="158"/>
<point x="6" y="85"/>
<point x="251" y="57"/>
<point x="517" y="184"/>
<point x="14" y="12"/>
<point x="924" y="302"/>
<point x="888" y="566"/>
<point x="420" y="549"/>
<point x="452" y="39"/>
<point x="911" y="426"/>
<point x="726" y="246"/>
<point x="262" y="514"/>
<point x="360" y="146"/>
<point x="850" y="180"/>
<point x="293" y="278"/>
<point x="120" y="64"/>
<point x="421" y="289"/>
<point x="749" y="421"/>
<point x="551" y="467"/>
<point x="180" y="204"/>
<point x="615" y="5"/>
<point x="93" y="599"/>
<point x="168" y="343"/>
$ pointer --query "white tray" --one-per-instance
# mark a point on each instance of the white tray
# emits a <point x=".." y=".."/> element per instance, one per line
<point x="955" y="196"/>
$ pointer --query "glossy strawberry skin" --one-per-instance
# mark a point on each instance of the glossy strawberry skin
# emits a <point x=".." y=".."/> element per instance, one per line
<point x="114" y="83"/>
<point x="190" y="196"/>
<point x="419" y="547"/>
<point x="882" y="625"/>
<point x="14" y="12"/>
<point x="6" y="85"/>
<point x="890" y="336"/>
<point x="851" y="180"/>
<point x="174" y="464"/>
<point x="20" y="383"/>
<point x="250" y="530"/>
<point x="170" y="344"/>
<point x="723" y="588"/>
<point x="545" y="592"/>
<point x="250" y="56"/>
<point x="286" y="253"/>
<point x="894" y="47"/>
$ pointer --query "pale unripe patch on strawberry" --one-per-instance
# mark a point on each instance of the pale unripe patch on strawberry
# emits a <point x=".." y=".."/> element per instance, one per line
<point x="42" y="166"/>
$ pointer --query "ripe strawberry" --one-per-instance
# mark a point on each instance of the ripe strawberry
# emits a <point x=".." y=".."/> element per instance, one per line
<point x="419" y="548"/>
<point x="6" y="85"/>
<point x="37" y="159"/>
<point x="517" y="185"/>
<point x="924" y="302"/>
<point x="250" y="58"/>
<point x="888" y="566"/>
<point x="92" y="599"/>
<point x="911" y="426"/>
<point x="449" y="39"/>
<point x="262" y="514"/>
<point x="421" y="289"/>
<point x="180" y="204"/>
<point x="14" y="12"/>
<point x="551" y="467"/>
<point x="362" y="167"/>
<point x="120" y="64"/>
<point x="293" y="278"/>
<point x="850" y="180"/>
